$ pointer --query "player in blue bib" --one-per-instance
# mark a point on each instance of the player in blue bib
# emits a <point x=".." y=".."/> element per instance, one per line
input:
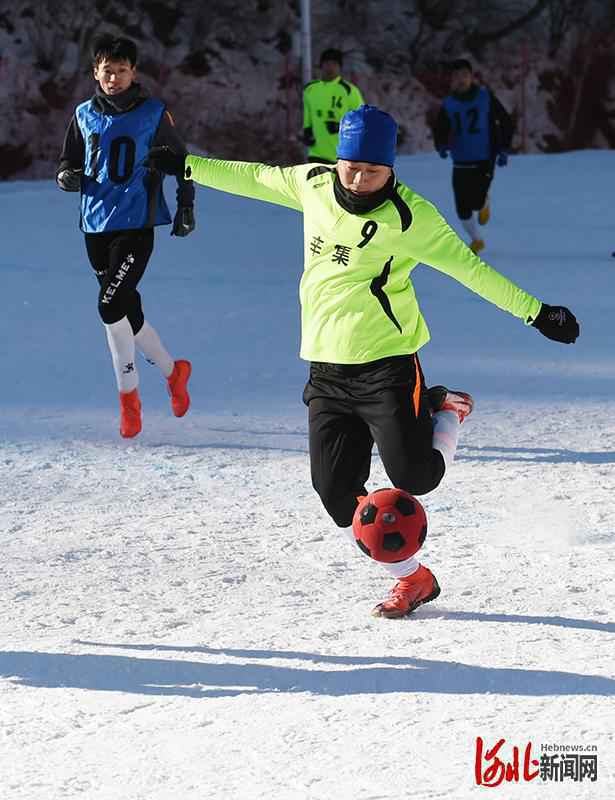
<point x="103" y="156"/>
<point x="475" y="128"/>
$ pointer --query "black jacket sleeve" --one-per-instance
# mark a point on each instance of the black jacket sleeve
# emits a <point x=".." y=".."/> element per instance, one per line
<point x="502" y="127"/>
<point x="73" y="148"/>
<point x="442" y="130"/>
<point x="167" y="135"/>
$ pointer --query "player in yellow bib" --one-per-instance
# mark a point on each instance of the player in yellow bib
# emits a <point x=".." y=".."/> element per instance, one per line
<point x="364" y="232"/>
<point x="325" y="102"/>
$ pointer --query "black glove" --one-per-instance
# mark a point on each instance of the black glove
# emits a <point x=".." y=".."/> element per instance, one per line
<point x="184" y="223"/>
<point x="557" y="323"/>
<point x="166" y="160"/>
<point x="308" y="137"/>
<point x="69" y="180"/>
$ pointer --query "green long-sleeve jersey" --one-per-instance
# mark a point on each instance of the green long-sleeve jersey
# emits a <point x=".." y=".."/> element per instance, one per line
<point x="357" y="299"/>
<point x="324" y="104"/>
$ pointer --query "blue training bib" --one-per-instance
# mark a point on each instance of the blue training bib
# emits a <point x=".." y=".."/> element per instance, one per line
<point x="471" y="137"/>
<point x="118" y="192"/>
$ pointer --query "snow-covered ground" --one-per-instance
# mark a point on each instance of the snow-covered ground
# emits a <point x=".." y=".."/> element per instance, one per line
<point x="180" y="617"/>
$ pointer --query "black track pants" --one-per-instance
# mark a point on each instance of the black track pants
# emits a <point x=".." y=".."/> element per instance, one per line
<point x="119" y="259"/>
<point x="350" y="408"/>
<point x="470" y="186"/>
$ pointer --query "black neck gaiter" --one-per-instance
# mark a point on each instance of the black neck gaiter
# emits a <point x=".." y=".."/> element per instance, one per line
<point x="469" y="95"/>
<point x="362" y="205"/>
<point x="119" y="103"/>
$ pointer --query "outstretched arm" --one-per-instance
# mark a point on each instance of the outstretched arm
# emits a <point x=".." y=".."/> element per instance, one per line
<point x="435" y="243"/>
<point x="277" y="185"/>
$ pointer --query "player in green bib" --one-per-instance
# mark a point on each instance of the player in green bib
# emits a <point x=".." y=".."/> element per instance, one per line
<point x="325" y="102"/>
<point x="364" y="232"/>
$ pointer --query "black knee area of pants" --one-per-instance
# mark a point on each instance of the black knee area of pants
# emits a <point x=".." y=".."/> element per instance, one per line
<point x="464" y="212"/>
<point x="421" y="479"/>
<point x="110" y="313"/>
<point x="340" y="509"/>
<point x="114" y="312"/>
<point x="136" y="320"/>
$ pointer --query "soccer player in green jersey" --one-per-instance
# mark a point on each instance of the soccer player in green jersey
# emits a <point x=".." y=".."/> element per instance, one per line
<point x="364" y="232"/>
<point x="325" y="102"/>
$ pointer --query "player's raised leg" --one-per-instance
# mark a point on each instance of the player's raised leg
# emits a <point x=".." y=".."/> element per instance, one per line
<point x="177" y="373"/>
<point x="416" y="444"/>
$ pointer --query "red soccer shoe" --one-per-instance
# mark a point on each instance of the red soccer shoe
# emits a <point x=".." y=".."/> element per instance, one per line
<point x="409" y="593"/>
<point x="130" y="414"/>
<point x="461" y="403"/>
<point x="177" y="384"/>
<point x="443" y="399"/>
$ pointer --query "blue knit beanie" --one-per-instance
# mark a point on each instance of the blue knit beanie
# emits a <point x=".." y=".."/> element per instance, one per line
<point x="367" y="134"/>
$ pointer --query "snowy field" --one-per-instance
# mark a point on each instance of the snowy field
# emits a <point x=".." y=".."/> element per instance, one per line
<point x="180" y="617"/>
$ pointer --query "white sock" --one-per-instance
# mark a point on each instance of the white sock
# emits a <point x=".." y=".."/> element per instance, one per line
<point x="121" y="342"/>
<point x="350" y="536"/>
<point x="470" y="226"/>
<point x="446" y="434"/>
<point x="148" y="342"/>
<point x="399" y="570"/>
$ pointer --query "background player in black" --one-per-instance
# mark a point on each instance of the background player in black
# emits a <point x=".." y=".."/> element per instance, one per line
<point x="477" y="130"/>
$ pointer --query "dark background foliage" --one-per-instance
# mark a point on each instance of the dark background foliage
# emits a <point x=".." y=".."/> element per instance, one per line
<point x="231" y="74"/>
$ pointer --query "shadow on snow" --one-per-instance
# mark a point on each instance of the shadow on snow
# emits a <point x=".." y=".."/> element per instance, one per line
<point x="359" y="675"/>
<point x="535" y="455"/>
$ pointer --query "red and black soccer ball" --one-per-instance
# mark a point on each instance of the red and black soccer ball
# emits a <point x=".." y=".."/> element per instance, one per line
<point x="389" y="525"/>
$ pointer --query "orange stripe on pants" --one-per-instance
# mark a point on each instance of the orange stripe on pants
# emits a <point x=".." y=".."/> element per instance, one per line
<point x="416" y="394"/>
